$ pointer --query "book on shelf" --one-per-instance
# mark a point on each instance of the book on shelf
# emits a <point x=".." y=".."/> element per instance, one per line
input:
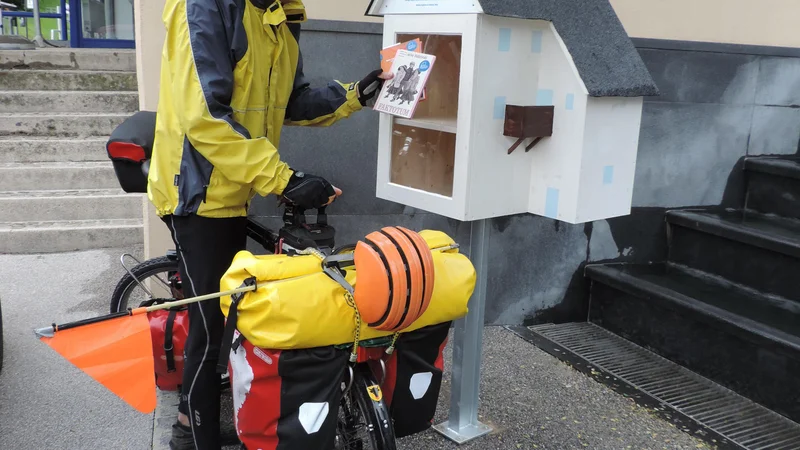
<point x="401" y="95"/>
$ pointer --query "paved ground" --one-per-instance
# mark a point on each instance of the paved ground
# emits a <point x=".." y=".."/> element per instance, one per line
<point x="532" y="399"/>
<point x="45" y="402"/>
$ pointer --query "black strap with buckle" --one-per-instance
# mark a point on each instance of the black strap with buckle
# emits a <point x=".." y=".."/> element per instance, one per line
<point x="230" y="327"/>
<point x="169" y="346"/>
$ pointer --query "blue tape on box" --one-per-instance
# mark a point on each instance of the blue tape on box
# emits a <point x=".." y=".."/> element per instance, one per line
<point x="608" y="174"/>
<point x="551" y="203"/>
<point x="505" y="40"/>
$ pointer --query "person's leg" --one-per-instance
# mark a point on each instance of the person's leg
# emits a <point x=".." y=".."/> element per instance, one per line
<point x="183" y="413"/>
<point x="206" y="248"/>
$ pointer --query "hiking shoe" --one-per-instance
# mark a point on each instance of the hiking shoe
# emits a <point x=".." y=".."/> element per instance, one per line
<point x="181" y="437"/>
<point x="228" y="436"/>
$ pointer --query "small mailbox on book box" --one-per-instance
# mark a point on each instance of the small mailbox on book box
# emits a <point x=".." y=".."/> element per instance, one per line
<point x="531" y="106"/>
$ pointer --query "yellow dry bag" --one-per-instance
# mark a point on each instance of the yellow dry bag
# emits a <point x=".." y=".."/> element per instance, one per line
<point x="297" y="305"/>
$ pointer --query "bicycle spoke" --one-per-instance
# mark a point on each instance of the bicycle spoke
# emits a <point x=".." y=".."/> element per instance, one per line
<point x="164" y="283"/>
<point x="352" y="433"/>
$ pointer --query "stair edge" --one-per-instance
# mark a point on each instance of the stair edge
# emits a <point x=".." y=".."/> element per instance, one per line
<point x="699" y="220"/>
<point x="767" y="165"/>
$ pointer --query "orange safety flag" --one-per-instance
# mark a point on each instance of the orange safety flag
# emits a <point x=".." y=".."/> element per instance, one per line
<point x="117" y="349"/>
<point x="117" y="353"/>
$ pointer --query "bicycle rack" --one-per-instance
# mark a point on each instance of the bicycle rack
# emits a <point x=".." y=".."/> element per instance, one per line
<point x="350" y="380"/>
<point x="141" y="285"/>
<point x="139" y="282"/>
<point x="383" y="371"/>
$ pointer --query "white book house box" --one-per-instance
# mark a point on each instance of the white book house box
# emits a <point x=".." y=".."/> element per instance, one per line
<point x="533" y="106"/>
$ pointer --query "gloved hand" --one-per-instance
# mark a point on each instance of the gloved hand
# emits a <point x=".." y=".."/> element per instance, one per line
<point x="309" y="191"/>
<point x="371" y="84"/>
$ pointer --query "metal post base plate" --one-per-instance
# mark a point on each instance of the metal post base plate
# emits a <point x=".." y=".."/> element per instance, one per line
<point x="463" y="435"/>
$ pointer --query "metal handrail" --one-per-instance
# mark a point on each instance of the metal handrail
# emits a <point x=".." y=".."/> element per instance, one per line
<point x="38" y="39"/>
<point x="27" y="14"/>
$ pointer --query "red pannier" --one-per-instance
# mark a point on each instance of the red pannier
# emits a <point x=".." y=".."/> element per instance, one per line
<point x="290" y="399"/>
<point x="168" y="330"/>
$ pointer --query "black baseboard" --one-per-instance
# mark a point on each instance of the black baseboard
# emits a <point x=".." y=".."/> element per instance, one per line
<point x="715" y="47"/>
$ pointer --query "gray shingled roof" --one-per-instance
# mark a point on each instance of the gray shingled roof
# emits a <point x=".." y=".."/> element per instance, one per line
<point x="603" y="53"/>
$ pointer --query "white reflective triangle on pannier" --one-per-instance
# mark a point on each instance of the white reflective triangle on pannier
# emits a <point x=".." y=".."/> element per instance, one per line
<point x="312" y="416"/>
<point x="241" y="380"/>
<point x="420" y="382"/>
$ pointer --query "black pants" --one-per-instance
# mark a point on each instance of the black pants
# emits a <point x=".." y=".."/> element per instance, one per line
<point x="206" y="248"/>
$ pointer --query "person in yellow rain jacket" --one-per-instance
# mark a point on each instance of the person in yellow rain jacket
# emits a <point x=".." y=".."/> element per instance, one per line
<point x="231" y="77"/>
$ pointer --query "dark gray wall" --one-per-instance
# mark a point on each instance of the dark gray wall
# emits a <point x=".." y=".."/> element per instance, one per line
<point x="718" y="104"/>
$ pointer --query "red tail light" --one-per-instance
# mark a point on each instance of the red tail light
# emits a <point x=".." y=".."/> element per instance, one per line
<point x="126" y="150"/>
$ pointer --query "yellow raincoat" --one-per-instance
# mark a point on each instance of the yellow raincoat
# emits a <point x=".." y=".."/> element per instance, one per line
<point x="231" y="76"/>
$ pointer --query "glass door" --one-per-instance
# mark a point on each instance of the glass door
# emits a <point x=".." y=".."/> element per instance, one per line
<point x="423" y="148"/>
<point x="17" y="19"/>
<point x="102" y="23"/>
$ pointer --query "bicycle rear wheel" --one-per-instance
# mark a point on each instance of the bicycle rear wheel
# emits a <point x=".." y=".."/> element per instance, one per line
<point x="364" y="419"/>
<point x="158" y="278"/>
<point x="154" y="278"/>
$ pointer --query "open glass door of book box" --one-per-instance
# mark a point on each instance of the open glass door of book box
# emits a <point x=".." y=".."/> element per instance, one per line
<point x="424" y="147"/>
<point x="423" y="161"/>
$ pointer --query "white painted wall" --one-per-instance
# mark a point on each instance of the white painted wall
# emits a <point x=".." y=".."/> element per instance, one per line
<point x="150" y="34"/>
<point x="763" y="22"/>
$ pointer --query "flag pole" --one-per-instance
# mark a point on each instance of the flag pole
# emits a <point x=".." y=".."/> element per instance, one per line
<point x="201" y="298"/>
<point x="52" y="329"/>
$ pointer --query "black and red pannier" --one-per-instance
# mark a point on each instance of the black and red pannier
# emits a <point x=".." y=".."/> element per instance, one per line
<point x="413" y="377"/>
<point x="290" y="399"/>
<point x="286" y="399"/>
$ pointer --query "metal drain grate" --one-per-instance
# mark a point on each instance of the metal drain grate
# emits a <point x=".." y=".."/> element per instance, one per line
<point x="732" y="416"/>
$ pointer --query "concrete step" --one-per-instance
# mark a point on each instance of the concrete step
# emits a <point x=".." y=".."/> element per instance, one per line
<point x="30" y="206"/>
<point x="57" y="176"/>
<point x="671" y="311"/>
<point x="759" y="251"/>
<point x="70" y="235"/>
<point x="67" y="80"/>
<point x="63" y="124"/>
<point x="75" y="59"/>
<point x="69" y="101"/>
<point x="773" y="185"/>
<point x="48" y="149"/>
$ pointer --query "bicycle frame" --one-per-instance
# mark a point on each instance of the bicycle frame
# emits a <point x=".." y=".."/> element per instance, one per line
<point x="366" y="374"/>
<point x="262" y="235"/>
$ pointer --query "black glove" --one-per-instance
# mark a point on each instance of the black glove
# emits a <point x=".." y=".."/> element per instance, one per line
<point x="369" y="86"/>
<point x="308" y="191"/>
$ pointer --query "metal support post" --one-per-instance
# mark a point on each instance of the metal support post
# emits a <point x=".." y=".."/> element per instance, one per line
<point x="38" y="39"/>
<point x="462" y="424"/>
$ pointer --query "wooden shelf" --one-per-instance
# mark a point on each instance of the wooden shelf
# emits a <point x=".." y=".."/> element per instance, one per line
<point x="446" y="125"/>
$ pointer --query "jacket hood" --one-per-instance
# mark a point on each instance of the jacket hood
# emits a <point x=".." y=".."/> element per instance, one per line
<point x="294" y="10"/>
